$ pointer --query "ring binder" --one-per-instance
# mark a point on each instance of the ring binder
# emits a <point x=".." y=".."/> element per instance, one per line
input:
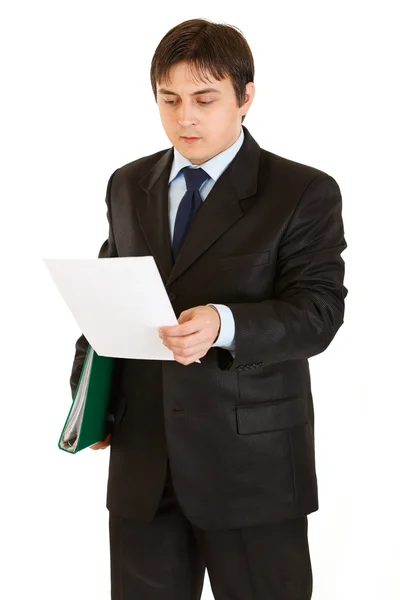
<point x="87" y="419"/>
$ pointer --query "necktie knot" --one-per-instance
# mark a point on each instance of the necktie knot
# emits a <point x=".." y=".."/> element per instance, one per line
<point x="194" y="178"/>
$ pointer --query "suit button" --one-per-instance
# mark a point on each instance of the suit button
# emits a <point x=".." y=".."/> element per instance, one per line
<point x="172" y="296"/>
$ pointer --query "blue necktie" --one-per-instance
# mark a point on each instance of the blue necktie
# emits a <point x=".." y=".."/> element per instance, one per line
<point x="188" y="207"/>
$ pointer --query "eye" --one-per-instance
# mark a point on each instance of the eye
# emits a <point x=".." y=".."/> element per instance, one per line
<point x="200" y="102"/>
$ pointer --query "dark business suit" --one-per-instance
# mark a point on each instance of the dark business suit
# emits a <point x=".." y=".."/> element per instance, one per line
<point x="239" y="433"/>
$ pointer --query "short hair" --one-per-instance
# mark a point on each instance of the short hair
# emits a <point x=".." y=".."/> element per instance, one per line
<point x="219" y="49"/>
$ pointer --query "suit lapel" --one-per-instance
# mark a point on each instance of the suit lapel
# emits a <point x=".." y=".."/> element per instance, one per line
<point x="152" y="211"/>
<point x="220" y="210"/>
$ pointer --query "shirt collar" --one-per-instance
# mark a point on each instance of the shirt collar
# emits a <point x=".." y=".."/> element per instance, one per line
<point x="213" y="167"/>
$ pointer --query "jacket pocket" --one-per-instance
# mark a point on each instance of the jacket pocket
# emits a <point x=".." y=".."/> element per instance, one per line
<point x="271" y="416"/>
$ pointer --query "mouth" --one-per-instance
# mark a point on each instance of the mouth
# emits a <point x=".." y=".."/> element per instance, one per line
<point x="189" y="139"/>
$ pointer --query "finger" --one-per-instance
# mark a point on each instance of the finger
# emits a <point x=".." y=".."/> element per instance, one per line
<point x="189" y="351"/>
<point x="96" y="447"/>
<point x="188" y="341"/>
<point x="182" y="330"/>
<point x="103" y="444"/>
<point x="99" y="446"/>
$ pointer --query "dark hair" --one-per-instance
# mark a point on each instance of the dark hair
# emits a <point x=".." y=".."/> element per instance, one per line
<point x="219" y="49"/>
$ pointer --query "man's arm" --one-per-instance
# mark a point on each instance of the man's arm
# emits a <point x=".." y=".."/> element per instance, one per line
<point x="307" y="305"/>
<point x="107" y="250"/>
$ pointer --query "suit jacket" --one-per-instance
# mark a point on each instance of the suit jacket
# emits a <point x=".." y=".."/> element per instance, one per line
<point x="238" y="432"/>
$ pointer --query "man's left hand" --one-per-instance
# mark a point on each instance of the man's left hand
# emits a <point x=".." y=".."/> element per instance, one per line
<point x="196" y="332"/>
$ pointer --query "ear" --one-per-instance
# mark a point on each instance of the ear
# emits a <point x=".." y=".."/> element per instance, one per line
<point x="248" y="99"/>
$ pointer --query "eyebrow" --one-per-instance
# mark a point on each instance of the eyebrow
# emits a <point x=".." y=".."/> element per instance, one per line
<point x="204" y="91"/>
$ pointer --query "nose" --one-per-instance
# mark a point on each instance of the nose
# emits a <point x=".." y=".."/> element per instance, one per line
<point x="186" y="114"/>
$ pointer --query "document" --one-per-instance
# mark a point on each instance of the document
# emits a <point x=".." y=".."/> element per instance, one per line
<point x="118" y="303"/>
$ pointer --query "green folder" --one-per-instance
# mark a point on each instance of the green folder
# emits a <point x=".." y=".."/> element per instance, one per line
<point x="86" y="423"/>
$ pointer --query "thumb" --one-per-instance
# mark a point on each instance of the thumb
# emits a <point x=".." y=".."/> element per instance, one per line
<point x="186" y="315"/>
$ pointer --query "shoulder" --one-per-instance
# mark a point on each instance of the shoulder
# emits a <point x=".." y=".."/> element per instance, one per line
<point x="134" y="170"/>
<point x="138" y="166"/>
<point x="286" y="173"/>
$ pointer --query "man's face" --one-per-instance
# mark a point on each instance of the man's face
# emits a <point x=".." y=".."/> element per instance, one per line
<point x="213" y="117"/>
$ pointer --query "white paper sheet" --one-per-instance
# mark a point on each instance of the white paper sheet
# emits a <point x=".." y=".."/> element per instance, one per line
<point x="118" y="303"/>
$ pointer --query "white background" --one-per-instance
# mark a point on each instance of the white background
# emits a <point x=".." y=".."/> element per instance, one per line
<point x="77" y="104"/>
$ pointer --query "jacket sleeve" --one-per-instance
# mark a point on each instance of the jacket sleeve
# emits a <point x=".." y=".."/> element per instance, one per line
<point x="306" y="307"/>
<point x="107" y="250"/>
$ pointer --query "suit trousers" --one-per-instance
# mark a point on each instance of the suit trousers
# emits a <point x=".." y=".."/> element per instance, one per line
<point x="166" y="558"/>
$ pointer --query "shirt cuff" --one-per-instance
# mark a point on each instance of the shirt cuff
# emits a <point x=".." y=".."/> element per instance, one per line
<point x="226" y="338"/>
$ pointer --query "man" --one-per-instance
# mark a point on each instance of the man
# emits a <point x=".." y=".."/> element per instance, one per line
<point x="212" y="463"/>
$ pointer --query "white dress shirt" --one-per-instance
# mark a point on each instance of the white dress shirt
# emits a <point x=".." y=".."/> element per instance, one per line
<point x="177" y="189"/>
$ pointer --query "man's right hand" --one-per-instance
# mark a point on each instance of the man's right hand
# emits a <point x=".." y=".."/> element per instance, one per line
<point x="101" y="445"/>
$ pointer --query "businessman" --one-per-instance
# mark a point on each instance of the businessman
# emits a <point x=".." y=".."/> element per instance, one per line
<point x="212" y="464"/>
